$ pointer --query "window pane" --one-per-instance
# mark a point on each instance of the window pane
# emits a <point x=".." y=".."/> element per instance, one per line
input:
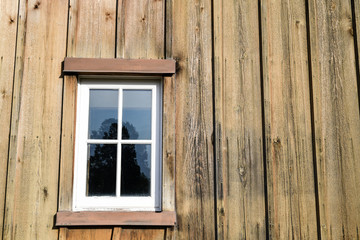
<point x="101" y="170"/>
<point x="135" y="169"/>
<point x="103" y="114"/>
<point x="136" y="114"/>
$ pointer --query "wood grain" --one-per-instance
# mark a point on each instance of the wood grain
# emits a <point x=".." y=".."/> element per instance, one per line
<point x="140" y="29"/>
<point x="191" y="46"/>
<point x="91" y="34"/>
<point x="140" y="34"/>
<point x="356" y="32"/>
<point x="168" y="145"/>
<point x="93" y="218"/>
<point x="289" y="155"/>
<point x="31" y="194"/>
<point x="92" y="29"/>
<point x="8" y="28"/>
<point x="336" y="116"/>
<point x="67" y="143"/>
<point x="238" y="121"/>
<point x="86" y="234"/>
<point x="113" y="65"/>
<point x="138" y="234"/>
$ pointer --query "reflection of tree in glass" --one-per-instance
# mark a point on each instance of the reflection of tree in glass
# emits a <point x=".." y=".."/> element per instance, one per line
<point x="102" y="170"/>
<point x="135" y="171"/>
<point x="107" y="130"/>
<point x="129" y="131"/>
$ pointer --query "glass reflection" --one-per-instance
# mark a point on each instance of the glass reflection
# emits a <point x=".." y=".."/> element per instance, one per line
<point x="101" y="170"/>
<point x="135" y="169"/>
<point x="136" y="114"/>
<point x="103" y="113"/>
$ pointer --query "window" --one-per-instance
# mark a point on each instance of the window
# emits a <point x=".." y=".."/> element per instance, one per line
<point x="117" y="163"/>
<point x="118" y="144"/>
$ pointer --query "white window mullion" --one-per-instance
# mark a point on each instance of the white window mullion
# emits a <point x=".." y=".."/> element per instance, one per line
<point x="130" y="141"/>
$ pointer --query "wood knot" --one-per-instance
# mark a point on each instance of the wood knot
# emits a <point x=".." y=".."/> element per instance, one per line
<point x="107" y="16"/>
<point x="45" y="192"/>
<point x="333" y="6"/>
<point x="277" y="141"/>
<point x="3" y="93"/>
<point x="11" y="20"/>
<point x="351" y="31"/>
<point x="241" y="171"/>
<point x="143" y="19"/>
<point x="37" y="5"/>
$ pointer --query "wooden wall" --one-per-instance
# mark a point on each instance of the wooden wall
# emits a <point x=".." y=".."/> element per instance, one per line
<point x="267" y="120"/>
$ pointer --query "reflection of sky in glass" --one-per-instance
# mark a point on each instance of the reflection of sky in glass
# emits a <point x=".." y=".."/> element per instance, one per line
<point x="137" y="114"/>
<point x="135" y="169"/>
<point x="103" y="114"/>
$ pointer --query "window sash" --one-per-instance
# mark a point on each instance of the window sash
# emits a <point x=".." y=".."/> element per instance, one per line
<point x="83" y="202"/>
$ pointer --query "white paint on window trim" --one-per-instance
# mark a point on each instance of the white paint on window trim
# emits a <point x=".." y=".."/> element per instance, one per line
<point x="118" y="203"/>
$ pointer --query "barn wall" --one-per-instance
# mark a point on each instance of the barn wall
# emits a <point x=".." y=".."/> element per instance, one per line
<point x="267" y="115"/>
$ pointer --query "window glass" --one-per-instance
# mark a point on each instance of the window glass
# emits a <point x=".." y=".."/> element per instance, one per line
<point x="135" y="169"/>
<point x="103" y="114"/>
<point x="136" y="114"/>
<point x="101" y="170"/>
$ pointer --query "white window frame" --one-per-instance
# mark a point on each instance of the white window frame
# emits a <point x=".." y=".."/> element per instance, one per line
<point x="107" y="203"/>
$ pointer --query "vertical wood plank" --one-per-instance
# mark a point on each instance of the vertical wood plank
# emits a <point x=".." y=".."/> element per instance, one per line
<point x="8" y="27"/>
<point x="191" y="46"/>
<point x="91" y="34"/>
<point x="168" y="150"/>
<point x="289" y="154"/>
<point x="92" y="29"/>
<point x="238" y="121"/>
<point x="31" y="194"/>
<point x="356" y="14"/>
<point x="168" y="146"/>
<point x="140" y="29"/>
<point x="62" y="233"/>
<point x="87" y="234"/>
<point x="116" y="233"/>
<point x="336" y="116"/>
<point x="67" y="143"/>
<point x="169" y="233"/>
<point x="138" y="234"/>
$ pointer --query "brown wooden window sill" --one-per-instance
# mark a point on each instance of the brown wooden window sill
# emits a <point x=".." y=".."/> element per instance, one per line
<point x="92" y="218"/>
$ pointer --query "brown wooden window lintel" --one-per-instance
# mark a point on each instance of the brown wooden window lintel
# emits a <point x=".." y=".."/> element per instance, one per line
<point x="118" y="66"/>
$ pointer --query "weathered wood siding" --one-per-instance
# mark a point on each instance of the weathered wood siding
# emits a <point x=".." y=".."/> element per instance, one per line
<point x="238" y="121"/>
<point x="33" y="161"/>
<point x="8" y="27"/>
<point x="335" y="83"/>
<point x="262" y="116"/>
<point x="287" y="121"/>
